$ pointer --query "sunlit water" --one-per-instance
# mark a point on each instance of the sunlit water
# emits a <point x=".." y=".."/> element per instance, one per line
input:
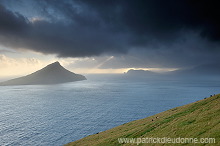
<point x="58" y="114"/>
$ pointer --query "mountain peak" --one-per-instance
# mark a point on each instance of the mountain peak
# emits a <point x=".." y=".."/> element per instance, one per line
<point x="57" y="62"/>
<point x="53" y="67"/>
<point x="53" y="73"/>
<point x="54" y="64"/>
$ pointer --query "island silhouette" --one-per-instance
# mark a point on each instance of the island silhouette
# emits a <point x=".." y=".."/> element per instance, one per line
<point x="51" y="74"/>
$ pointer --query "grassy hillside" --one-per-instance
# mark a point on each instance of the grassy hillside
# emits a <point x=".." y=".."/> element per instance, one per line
<point x="197" y="120"/>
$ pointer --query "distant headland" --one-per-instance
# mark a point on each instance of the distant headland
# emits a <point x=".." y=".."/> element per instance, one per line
<point x="51" y="74"/>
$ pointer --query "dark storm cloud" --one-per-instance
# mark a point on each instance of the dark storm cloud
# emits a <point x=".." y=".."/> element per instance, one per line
<point x="80" y="28"/>
<point x="78" y="38"/>
<point x="161" y="18"/>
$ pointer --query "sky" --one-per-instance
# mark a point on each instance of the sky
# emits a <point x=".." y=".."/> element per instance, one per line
<point x="108" y="36"/>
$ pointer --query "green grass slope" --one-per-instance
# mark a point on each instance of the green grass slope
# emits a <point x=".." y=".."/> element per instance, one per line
<point x="196" y="120"/>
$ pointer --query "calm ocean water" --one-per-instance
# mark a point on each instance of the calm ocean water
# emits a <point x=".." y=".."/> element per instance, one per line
<point x="58" y="114"/>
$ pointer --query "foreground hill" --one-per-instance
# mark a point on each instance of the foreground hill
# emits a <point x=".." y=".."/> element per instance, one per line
<point x="51" y="74"/>
<point x="197" y="120"/>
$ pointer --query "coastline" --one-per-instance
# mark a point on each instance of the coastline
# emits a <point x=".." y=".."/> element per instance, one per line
<point x="199" y="119"/>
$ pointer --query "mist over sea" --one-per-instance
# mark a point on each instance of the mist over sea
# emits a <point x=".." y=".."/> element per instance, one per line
<point x="58" y="114"/>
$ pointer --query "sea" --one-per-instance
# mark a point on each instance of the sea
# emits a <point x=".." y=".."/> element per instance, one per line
<point x="42" y="115"/>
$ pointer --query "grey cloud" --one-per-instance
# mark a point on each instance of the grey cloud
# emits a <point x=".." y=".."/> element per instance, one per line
<point x="186" y="52"/>
<point x="66" y="40"/>
<point x="159" y="31"/>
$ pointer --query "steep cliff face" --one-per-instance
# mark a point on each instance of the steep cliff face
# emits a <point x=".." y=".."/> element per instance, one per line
<point x="51" y="74"/>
